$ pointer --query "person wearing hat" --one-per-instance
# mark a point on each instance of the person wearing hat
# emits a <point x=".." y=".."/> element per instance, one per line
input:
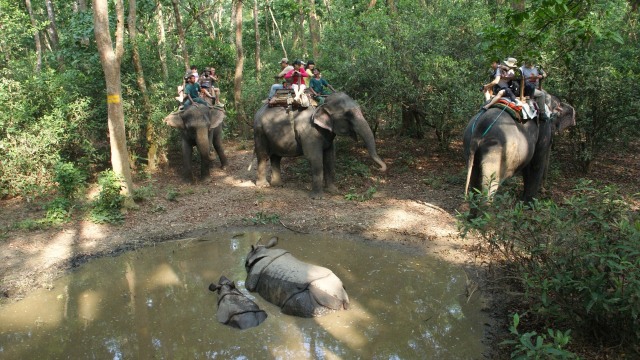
<point x="500" y="83"/>
<point x="284" y="65"/>
<point x="297" y="83"/>
<point x="532" y="76"/>
<point x="208" y="83"/>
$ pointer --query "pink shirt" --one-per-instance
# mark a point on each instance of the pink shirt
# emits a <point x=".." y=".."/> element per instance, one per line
<point x="296" y="77"/>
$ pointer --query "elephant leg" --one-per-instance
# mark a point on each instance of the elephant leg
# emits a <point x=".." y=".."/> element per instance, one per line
<point x="186" y="158"/>
<point x="329" y="168"/>
<point x="491" y="165"/>
<point x="217" y="145"/>
<point x="263" y="159"/>
<point x="204" y="147"/>
<point x="276" y="173"/>
<point x="317" y="176"/>
<point x="533" y="174"/>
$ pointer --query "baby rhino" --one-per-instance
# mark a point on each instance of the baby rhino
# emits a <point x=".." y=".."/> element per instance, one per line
<point x="235" y="309"/>
<point x="298" y="288"/>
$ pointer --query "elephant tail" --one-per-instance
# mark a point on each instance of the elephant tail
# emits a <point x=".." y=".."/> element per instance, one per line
<point x="473" y="147"/>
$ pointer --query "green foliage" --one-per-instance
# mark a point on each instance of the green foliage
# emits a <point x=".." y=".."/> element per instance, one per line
<point x="526" y="348"/>
<point x="367" y="195"/>
<point x="172" y="194"/>
<point x="58" y="211"/>
<point x="106" y="207"/>
<point x="69" y="179"/>
<point x="263" y="218"/>
<point x="577" y="261"/>
<point x="143" y="193"/>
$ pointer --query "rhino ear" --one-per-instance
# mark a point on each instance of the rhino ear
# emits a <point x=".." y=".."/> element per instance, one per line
<point x="213" y="287"/>
<point x="272" y="242"/>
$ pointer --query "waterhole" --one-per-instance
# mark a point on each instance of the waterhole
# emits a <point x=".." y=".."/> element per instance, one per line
<point x="155" y="303"/>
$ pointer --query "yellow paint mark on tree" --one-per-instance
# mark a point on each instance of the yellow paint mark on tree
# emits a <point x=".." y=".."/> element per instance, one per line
<point x="113" y="99"/>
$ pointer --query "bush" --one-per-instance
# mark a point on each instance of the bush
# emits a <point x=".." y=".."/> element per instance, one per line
<point x="578" y="261"/>
<point x="106" y="207"/>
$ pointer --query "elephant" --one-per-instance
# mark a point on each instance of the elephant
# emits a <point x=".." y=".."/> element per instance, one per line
<point x="282" y="132"/>
<point x="298" y="288"/>
<point x="202" y="127"/>
<point x="235" y="309"/>
<point x="496" y="147"/>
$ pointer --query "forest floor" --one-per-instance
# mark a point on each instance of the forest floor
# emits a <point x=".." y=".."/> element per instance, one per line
<point x="413" y="204"/>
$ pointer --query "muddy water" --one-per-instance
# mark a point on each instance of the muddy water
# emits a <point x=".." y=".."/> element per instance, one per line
<point x="154" y="303"/>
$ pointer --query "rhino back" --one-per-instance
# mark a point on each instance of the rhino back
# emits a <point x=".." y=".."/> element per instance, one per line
<point x="236" y="310"/>
<point x="302" y="289"/>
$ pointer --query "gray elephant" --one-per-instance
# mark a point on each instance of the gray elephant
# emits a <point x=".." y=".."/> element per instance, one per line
<point x="497" y="147"/>
<point x="279" y="132"/>
<point x="235" y="309"/>
<point x="201" y="126"/>
<point x="298" y="288"/>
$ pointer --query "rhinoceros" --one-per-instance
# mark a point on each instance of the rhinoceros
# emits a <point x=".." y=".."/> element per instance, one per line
<point x="298" y="288"/>
<point x="235" y="309"/>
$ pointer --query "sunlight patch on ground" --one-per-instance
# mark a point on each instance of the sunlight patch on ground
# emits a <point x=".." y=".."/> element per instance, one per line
<point x="60" y="248"/>
<point x="415" y="217"/>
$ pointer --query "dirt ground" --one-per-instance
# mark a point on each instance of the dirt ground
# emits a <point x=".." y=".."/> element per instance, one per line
<point x="413" y="204"/>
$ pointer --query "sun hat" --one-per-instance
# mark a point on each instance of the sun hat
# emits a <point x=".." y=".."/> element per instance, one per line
<point x="510" y="62"/>
<point x="284" y="60"/>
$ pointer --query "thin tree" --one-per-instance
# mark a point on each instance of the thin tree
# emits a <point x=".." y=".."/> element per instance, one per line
<point x="52" y="30"/>
<point x="273" y="18"/>
<point x="237" y="79"/>
<point x="257" y="31"/>
<point x="111" y="60"/>
<point x="181" y="36"/>
<point x="36" y="36"/>
<point x="81" y="7"/>
<point x="314" y="29"/>
<point x="152" y="145"/>
<point x="162" y="42"/>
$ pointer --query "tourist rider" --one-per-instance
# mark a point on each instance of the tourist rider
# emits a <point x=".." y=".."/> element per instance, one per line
<point x="500" y="83"/>
<point x="318" y="86"/>
<point x="532" y="76"/>
<point x="297" y="74"/>
<point x="285" y="68"/>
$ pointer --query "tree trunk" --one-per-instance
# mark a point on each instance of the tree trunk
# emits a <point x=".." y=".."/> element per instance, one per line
<point x="298" y="32"/>
<point x="181" y="36"/>
<point x="257" y="31"/>
<point x="328" y="7"/>
<point x="162" y="43"/>
<point x="233" y="21"/>
<point x="314" y="29"/>
<point x="237" y="79"/>
<point x="36" y="36"/>
<point x="152" y="146"/>
<point x="52" y="30"/>
<point x="372" y="3"/>
<point x="266" y="25"/>
<point x="279" y="33"/>
<point x="81" y="7"/>
<point x="111" y="60"/>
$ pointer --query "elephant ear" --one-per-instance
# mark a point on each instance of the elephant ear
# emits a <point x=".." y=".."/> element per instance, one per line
<point x="174" y="120"/>
<point x="565" y="116"/>
<point x="322" y="118"/>
<point x="216" y="119"/>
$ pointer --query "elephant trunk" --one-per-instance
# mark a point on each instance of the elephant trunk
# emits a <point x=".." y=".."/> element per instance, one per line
<point x="361" y="127"/>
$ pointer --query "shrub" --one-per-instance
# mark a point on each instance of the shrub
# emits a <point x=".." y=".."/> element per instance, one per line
<point x="106" y="207"/>
<point x="578" y="261"/>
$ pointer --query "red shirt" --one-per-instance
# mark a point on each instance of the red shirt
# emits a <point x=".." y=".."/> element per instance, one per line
<point x="297" y="76"/>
